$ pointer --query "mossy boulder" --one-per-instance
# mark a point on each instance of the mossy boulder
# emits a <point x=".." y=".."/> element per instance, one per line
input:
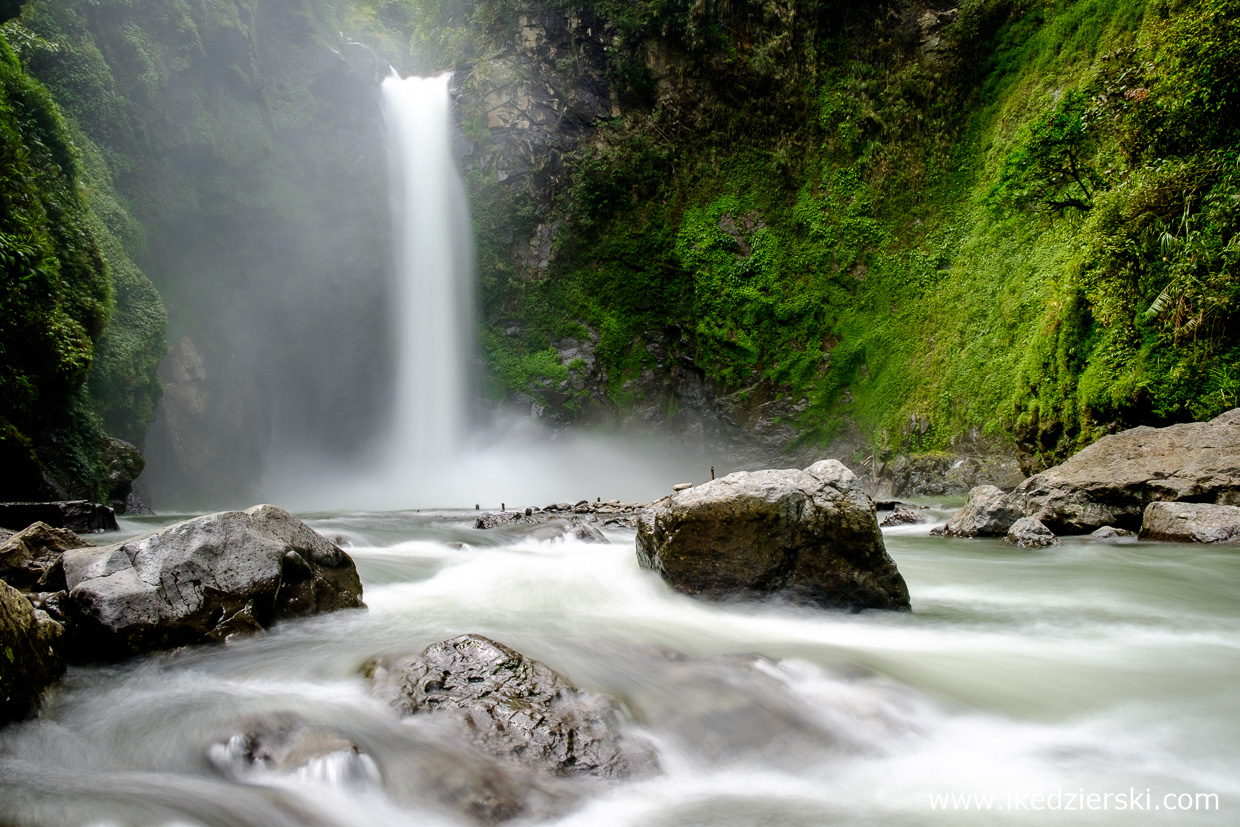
<point x="31" y="659"/>
<point x="808" y="536"/>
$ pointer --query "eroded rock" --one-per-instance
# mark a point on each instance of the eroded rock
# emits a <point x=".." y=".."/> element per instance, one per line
<point x="809" y="536"/>
<point x="512" y="707"/>
<point x="205" y="579"/>
<point x="1029" y="533"/>
<point x="1191" y="523"/>
<point x="988" y="512"/>
<point x="1112" y="481"/>
<point x="29" y="558"/>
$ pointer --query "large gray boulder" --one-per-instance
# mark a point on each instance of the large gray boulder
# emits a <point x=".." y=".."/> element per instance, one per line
<point x="31" y="658"/>
<point x="205" y="579"/>
<point x="987" y="512"/>
<point x="810" y="536"/>
<point x="1112" y="481"/>
<point x="1191" y="523"/>
<point x="511" y="706"/>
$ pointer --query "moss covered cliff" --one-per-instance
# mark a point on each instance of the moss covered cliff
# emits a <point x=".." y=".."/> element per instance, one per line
<point x="81" y="328"/>
<point x="898" y="227"/>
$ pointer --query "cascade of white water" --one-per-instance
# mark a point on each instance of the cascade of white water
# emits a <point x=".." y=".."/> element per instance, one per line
<point x="433" y="266"/>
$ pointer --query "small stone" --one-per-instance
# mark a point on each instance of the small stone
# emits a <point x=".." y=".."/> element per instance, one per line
<point x="681" y="486"/>
<point x="1030" y="533"/>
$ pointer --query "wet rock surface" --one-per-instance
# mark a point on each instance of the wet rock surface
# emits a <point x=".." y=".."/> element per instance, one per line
<point x="935" y="475"/>
<point x="511" y="707"/>
<point x="1029" y="533"/>
<point x="1191" y="523"/>
<point x="28" y="559"/>
<point x="206" y="579"/>
<point x="31" y="655"/>
<point x="988" y="512"/>
<point x="541" y="525"/>
<point x="898" y="514"/>
<point x="80" y="516"/>
<point x="1111" y="533"/>
<point x="1112" y="481"/>
<point x="809" y="536"/>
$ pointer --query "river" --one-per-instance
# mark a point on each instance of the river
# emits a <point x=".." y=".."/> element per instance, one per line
<point x="1029" y="685"/>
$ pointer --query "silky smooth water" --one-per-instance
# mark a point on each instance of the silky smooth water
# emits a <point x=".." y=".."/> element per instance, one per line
<point x="1087" y="669"/>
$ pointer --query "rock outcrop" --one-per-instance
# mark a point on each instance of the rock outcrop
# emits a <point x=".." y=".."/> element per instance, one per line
<point x="76" y="515"/>
<point x="1191" y="523"/>
<point x="28" y="558"/>
<point x="31" y="658"/>
<point x="988" y="512"/>
<point x="512" y="707"/>
<point x="1029" y="533"/>
<point x="205" y="579"/>
<point x="1112" y="481"/>
<point x="809" y="536"/>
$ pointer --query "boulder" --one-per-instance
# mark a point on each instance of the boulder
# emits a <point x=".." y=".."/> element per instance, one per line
<point x="1029" y="533"/>
<point x="810" y="536"/>
<point x="900" y="515"/>
<point x="1112" y="481"/>
<point x="512" y="707"/>
<point x="76" y="515"/>
<point x="1191" y="523"/>
<point x="125" y="464"/>
<point x="28" y="558"/>
<point x="31" y="656"/>
<point x="1111" y="533"/>
<point x="988" y="512"/>
<point x="205" y="579"/>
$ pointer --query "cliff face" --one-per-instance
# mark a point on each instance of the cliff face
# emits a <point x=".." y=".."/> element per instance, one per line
<point x="246" y="139"/>
<point x="771" y="226"/>
<point x="864" y="230"/>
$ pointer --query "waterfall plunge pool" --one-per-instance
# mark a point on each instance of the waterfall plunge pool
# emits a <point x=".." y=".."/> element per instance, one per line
<point x="1089" y="669"/>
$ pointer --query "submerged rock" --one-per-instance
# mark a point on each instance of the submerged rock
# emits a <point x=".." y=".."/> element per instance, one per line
<point x="28" y="558"/>
<point x="512" y="707"/>
<point x="202" y="580"/>
<point x="1191" y="523"/>
<point x="31" y="656"/>
<point x="541" y="526"/>
<point x="1112" y="481"/>
<point x="810" y="536"/>
<point x="1029" y="533"/>
<point x="988" y="512"/>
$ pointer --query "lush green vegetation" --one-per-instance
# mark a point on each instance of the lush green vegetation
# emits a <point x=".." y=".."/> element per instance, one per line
<point x="1028" y="233"/>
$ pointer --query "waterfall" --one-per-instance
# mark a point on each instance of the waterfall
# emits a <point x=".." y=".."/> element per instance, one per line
<point x="433" y="273"/>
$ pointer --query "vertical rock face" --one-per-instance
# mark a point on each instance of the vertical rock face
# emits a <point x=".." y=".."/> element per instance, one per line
<point x="31" y="659"/>
<point x="202" y="580"/>
<point x="810" y="536"/>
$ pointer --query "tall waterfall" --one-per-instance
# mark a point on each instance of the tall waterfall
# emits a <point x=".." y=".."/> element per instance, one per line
<point x="433" y="266"/>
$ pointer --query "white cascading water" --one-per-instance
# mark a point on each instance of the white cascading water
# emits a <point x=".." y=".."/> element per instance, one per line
<point x="433" y="266"/>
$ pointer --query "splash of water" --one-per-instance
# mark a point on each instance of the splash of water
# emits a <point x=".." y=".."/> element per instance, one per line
<point x="433" y="267"/>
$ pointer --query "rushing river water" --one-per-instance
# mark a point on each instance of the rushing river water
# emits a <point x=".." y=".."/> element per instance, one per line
<point x="1090" y="669"/>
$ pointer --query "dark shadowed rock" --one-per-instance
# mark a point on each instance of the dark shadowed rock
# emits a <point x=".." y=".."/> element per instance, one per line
<point x="810" y="536"/>
<point x="125" y="464"/>
<point x="1191" y="523"/>
<point x="1112" y="481"/>
<point x="512" y="707"/>
<point x="205" y="579"/>
<point x="1029" y="533"/>
<point x="31" y="658"/>
<point x="28" y="558"/>
<point x="988" y="512"/>
<point x="900" y="515"/>
<point x="76" y="515"/>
